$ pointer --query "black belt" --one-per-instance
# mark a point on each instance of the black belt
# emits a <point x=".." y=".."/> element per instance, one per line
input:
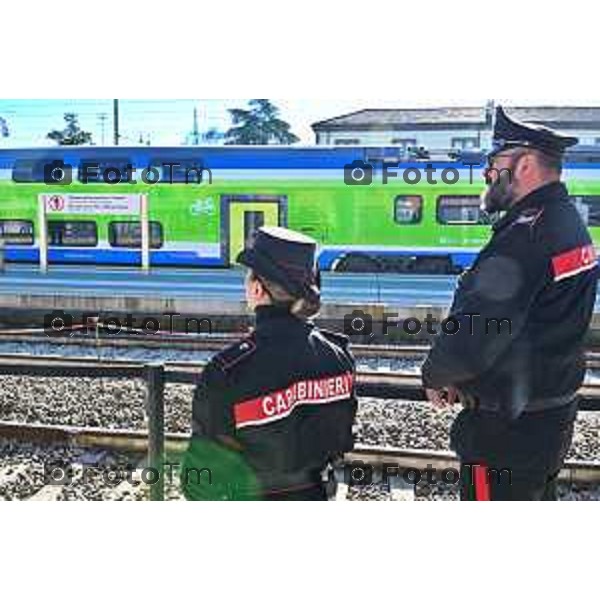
<point x="548" y="403"/>
<point x="532" y="406"/>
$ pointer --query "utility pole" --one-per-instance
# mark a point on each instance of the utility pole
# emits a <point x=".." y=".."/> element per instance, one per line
<point x="116" y="121"/>
<point x="102" y="118"/>
<point x="195" y="132"/>
<point x="4" y="132"/>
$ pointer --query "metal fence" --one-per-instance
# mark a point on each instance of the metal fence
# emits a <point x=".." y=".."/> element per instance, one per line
<point x="157" y="375"/>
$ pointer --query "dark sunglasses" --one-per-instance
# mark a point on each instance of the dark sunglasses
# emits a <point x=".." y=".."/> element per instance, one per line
<point x="517" y="155"/>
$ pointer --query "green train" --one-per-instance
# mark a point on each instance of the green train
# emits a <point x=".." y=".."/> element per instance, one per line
<point x="370" y="209"/>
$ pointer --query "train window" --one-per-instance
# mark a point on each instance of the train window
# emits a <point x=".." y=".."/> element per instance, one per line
<point x="589" y="209"/>
<point x="465" y="143"/>
<point x="31" y="171"/>
<point x="16" y="233"/>
<point x="347" y="142"/>
<point x="183" y="171"/>
<point x="406" y="143"/>
<point x="105" y="171"/>
<point x="72" y="233"/>
<point x="22" y="171"/>
<point x="461" y="210"/>
<point x="408" y="210"/>
<point x="129" y="234"/>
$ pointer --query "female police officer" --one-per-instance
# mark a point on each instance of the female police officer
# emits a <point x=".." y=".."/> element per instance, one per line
<point x="273" y="410"/>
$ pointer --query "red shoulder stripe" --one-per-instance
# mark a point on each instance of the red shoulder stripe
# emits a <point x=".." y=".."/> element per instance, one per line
<point x="279" y="404"/>
<point x="573" y="262"/>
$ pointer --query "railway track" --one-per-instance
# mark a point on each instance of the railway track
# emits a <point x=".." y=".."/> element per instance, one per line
<point x="218" y="342"/>
<point x="377" y="384"/>
<point x="137" y="442"/>
<point x="371" y="384"/>
<point x="133" y="444"/>
<point x="191" y="342"/>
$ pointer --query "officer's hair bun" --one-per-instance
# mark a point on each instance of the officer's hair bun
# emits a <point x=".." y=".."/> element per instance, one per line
<point x="307" y="307"/>
<point x="304" y="308"/>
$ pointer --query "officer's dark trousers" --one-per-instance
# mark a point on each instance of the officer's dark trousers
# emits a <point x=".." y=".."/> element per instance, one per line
<point x="316" y="493"/>
<point x="512" y="460"/>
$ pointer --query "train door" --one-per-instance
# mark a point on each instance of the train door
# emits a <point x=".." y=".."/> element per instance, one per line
<point x="246" y="215"/>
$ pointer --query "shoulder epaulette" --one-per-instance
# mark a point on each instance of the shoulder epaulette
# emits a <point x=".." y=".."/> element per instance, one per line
<point x="235" y="354"/>
<point x="529" y="217"/>
<point x="334" y="336"/>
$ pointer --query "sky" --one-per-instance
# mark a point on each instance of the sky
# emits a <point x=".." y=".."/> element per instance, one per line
<point x="164" y="122"/>
<point x="169" y="122"/>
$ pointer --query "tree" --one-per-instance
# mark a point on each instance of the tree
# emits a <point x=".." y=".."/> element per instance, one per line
<point x="72" y="134"/>
<point x="4" y="128"/>
<point x="259" y="125"/>
<point x="213" y="136"/>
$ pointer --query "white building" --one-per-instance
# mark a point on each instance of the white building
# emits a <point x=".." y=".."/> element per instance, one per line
<point x="453" y="127"/>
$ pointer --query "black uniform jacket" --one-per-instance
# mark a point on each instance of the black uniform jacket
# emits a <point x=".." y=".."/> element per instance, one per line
<point x="285" y="394"/>
<point x="533" y="289"/>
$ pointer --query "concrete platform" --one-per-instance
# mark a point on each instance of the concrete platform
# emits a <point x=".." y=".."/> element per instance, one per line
<point x="213" y="291"/>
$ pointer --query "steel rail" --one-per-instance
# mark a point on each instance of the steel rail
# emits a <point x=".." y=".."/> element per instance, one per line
<point x="136" y="442"/>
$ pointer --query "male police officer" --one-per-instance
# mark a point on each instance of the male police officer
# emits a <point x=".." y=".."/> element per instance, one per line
<point x="523" y="310"/>
<point x="272" y="411"/>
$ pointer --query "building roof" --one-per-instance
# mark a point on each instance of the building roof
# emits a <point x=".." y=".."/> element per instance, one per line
<point x="469" y="117"/>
